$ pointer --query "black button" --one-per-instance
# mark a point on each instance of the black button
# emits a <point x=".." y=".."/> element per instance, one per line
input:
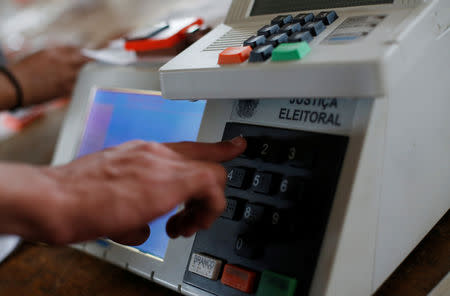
<point x="315" y="28"/>
<point x="277" y="39"/>
<point x="254" y="214"/>
<point x="263" y="182"/>
<point x="269" y="30"/>
<point x="248" y="247"/>
<point x="261" y="53"/>
<point x="292" y="188"/>
<point x="291" y="28"/>
<point x="327" y="17"/>
<point x="303" y="18"/>
<point x="237" y="177"/>
<point x="301" y="36"/>
<point x="282" y="20"/>
<point x="301" y="154"/>
<point x="255" y="41"/>
<point x="263" y="148"/>
<point x="233" y="211"/>
<point x="279" y="222"/>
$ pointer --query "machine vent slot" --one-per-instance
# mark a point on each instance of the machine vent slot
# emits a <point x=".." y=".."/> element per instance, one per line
<point x="234" y="37"/>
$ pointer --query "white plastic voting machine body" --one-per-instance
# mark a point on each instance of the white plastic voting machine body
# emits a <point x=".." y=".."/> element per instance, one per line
<point x="370" y="96"/>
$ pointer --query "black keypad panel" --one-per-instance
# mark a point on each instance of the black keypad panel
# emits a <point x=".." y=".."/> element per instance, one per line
<point x="279" y="195"/>
<point x="286" y="28"/>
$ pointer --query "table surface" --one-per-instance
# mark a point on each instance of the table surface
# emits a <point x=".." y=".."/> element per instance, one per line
<point x="42" y="270"/>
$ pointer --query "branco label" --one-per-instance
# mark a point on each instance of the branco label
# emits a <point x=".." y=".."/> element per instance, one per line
<point x="205" y="266"/>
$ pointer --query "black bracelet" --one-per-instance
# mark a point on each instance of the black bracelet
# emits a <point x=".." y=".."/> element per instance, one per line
<point x="15" y="82"/>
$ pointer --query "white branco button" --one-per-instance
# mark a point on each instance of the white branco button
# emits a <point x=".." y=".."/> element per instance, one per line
<point x="205" y="266"/>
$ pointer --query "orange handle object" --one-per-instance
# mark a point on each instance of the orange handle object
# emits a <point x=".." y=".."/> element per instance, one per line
<point x="167" y="39"/>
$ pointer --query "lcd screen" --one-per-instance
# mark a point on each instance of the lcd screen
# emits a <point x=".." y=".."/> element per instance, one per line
<point x="261" y="7"/>
<point x="119" y="116"/>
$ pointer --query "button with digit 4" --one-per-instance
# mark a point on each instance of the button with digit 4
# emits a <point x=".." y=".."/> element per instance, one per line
<point x="237" y="177"/>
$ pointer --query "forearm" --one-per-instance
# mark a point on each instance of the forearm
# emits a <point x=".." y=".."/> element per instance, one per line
<point x="25" y="196"/>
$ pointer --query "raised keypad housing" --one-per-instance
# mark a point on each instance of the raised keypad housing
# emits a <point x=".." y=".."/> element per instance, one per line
<point x="279" y="192"/>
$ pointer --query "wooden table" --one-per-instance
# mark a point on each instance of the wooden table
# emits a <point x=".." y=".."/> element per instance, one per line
<point x="60" y="271"/>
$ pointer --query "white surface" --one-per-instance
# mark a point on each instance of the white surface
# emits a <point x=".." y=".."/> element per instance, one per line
<point x="356" y="69"/>
<point x="7" y="245"/>
<point x="443" y="289"/>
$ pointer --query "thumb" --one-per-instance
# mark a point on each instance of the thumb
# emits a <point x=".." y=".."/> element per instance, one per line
<point x="218" y="152"/>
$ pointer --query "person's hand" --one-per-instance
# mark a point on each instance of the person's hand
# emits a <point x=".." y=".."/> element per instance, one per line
<point x="48" y="74"/>
<point x="115" y="193"/>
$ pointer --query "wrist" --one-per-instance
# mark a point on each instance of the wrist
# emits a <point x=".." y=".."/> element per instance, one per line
<point x="27" y="200"/>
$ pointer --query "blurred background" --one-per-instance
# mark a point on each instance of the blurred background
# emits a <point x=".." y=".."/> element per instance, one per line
<point x="28" y="26"/>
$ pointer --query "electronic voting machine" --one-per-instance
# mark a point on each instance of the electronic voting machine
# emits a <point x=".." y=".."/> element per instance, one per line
<point x="345" y="108"/>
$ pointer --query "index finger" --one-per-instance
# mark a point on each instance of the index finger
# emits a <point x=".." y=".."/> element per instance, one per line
<point x="217" y="152"/>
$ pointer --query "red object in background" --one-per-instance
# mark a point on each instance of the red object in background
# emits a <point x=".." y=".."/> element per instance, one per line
<point x="169" y="38"/>
<point x="21" y="119"/>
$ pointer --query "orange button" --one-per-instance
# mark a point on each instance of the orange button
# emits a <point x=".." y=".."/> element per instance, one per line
<point x="239" y="278"/>
<point x="234" y="55"/>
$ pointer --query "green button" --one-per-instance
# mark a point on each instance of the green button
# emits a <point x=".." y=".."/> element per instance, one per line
<point x="272" y="284"/>
<point x="291" y="51"/>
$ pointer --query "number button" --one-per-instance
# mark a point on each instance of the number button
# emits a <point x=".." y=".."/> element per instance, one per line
<point x="247" y="247"/>
<point x="301" y="155"/>
<point x="292" y="188"/>
<point x="262" y="182"/>
<point x="236" y="177"/>
<point x="254" y="214"/>
<point x="233" y="209"/>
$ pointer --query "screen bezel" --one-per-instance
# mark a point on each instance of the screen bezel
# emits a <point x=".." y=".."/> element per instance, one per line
<point x="252" y="4"/>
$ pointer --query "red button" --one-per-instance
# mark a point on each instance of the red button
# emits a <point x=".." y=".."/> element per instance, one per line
<point x="239" y="278"/>
<point x="234" y="55"/>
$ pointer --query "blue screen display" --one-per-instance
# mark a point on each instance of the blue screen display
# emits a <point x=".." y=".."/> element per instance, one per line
<point x="116" y="117"/>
